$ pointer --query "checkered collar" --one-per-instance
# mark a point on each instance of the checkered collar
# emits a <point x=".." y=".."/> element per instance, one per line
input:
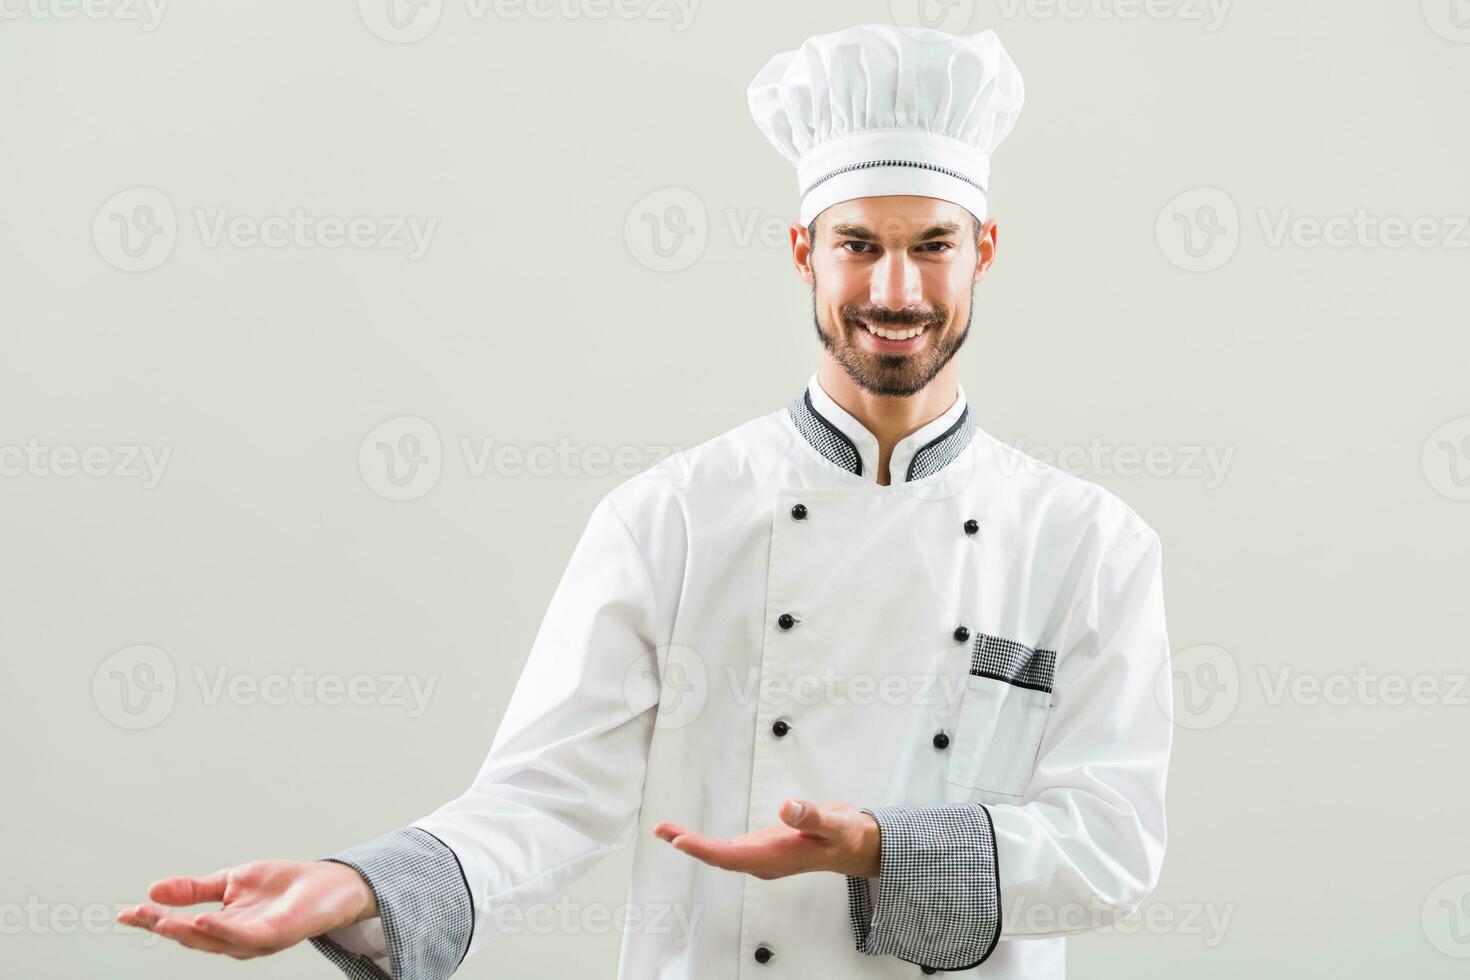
<point x="847" y="443"/>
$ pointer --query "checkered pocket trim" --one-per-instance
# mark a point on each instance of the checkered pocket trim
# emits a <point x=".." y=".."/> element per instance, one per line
<point x="1012" y="662"/>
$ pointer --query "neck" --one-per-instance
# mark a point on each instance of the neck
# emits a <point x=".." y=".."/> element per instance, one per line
<point x="888" y="417"/>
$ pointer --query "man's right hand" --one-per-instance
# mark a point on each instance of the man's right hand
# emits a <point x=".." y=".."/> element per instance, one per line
<point x="267" y="906"/>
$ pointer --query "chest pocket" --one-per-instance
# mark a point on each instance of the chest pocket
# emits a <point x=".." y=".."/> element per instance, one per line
<point x="1002" y="715"/>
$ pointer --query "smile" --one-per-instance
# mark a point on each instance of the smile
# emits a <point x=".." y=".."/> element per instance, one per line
<point x="892" y="338"/>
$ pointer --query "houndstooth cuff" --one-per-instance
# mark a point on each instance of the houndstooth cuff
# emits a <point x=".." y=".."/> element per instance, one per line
<point x="423" y="899"/>
<point x="938" y="887"/>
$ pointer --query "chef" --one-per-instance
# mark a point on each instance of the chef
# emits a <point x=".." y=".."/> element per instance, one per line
<point x="872" y="694"/>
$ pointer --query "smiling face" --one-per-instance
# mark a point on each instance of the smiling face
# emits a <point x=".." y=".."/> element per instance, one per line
<point x="892" y="285"/>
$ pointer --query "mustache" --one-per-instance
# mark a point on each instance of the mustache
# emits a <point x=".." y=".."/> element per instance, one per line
<point x="895" y="319"/>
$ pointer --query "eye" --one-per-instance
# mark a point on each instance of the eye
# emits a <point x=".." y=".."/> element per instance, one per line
<point x="859" y="244"/>
<point x="942" y="245"/>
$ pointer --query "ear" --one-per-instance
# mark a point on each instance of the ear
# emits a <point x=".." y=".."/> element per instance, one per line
<point x="989" y="243"/>
<point x="801" y="252"/>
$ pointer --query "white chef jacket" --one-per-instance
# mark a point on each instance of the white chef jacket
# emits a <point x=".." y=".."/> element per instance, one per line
<point x="975" y="653"/>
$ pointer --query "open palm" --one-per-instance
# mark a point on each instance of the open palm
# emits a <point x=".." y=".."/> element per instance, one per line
<point x="832" y="837"/>
<point x="266" y="906"/>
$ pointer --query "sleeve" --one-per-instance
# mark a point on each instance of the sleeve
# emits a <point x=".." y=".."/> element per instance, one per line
<point x="560" y="789"/>
<point x="361" y="939"/>
<point x="423" y="921"/>
<point x="935" y="900"/>
<point x="1087" y="845"/>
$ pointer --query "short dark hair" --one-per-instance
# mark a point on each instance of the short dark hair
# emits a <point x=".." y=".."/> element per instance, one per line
<point x="811" y="231"/>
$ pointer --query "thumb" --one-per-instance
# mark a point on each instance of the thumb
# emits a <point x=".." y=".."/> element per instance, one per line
<point x="802" y="815"/>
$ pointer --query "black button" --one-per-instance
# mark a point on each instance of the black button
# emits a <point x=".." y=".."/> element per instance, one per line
<point x="762" y="954"/>
<point x="799" y="512"/>
<point x="929" y="969"/>
<point x="972" y="526"/>
<point x="786" y="621"/>
<point x="780" y="728"/>
<point x="941" y="740"/>
<point x="961" y="634"/>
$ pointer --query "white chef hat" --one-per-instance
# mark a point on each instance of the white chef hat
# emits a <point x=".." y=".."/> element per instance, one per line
<point x="878" y="109"/>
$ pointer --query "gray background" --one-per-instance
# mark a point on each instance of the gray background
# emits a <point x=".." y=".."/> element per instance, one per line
<point x="1143" y="302"/>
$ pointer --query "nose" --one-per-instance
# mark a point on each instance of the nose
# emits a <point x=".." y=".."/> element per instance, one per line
<point x="897" y="282"/>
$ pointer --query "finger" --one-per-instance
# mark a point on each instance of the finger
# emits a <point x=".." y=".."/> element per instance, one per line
<point x="668" y="830"/>
<point x="131" y="917"/>
<point x="143" y="916"/>
<point x="189" y="891"/>
<point x="148" y="915"/>
<point x="157" y="919"/>
<point x="185" y="933"/>
<point x="721" y="854"/>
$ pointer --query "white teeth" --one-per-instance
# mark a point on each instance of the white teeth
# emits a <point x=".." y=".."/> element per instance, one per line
<point x="894" y="334"/>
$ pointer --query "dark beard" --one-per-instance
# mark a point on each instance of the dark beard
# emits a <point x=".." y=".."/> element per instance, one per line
<point x="894" y="375"/>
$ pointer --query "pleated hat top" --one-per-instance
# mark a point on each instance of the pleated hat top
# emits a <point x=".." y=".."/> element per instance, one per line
<point x="878" y="109"/>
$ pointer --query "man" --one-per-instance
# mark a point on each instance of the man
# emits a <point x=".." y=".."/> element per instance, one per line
<point x="873" y="693"/>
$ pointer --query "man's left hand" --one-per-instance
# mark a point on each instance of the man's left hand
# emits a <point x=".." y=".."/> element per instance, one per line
<point x="832" y="837"/>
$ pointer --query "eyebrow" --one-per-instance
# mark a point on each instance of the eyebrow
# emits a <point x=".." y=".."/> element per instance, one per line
<point x="863" y="234"/>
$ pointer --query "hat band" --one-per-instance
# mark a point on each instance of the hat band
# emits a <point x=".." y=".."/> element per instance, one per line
<point x="889" y="161"/>
<point x="887" y="177"/>
<point x="864" y="165"/>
